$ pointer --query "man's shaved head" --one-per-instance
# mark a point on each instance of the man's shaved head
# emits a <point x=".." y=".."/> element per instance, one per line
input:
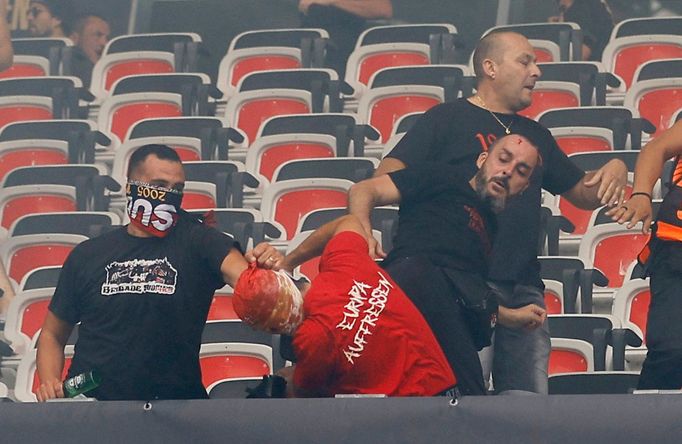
<point x="492" y="47"/>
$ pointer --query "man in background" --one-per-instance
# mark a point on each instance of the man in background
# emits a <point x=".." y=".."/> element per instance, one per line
<point x="48" y="18"/>
<point x="90" y="35"/>
<point x="6" y="52"/>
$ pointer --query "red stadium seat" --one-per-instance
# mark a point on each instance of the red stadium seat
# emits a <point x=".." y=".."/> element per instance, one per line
<point x="221" y="308"/>
<point x="364" y="61"/>
<point x="23" y="108"/>
<point x="112" y="67"/>
<point x="220" y="361"/>
<point x="25" y="317"/>
<point x="27" y="66"/>
<point x="20" y="200"/>
<point x="20" y="153"/>
<point x="657" y="100"/>
<point x="549" y="95"/>
<point x="27" y="381"/>
<point x="623" y="55"/>
<point x="238" y="63"/>
<point x="554" y="296"/>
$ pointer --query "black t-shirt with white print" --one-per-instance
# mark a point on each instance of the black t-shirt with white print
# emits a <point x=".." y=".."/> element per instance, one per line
<point x="142" y="304"/>
<point x="456" y="133"/>
<point x="437" y="198"/>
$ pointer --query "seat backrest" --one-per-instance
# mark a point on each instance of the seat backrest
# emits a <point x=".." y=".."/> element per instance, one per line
<point x="631" y="305"/>
<point x="221" y="308"/>
<point x="24" y="108"/>
<point x="20" y="153"/>
<point x="268" y="153"/>
<point x="367" y="60"/>
<point x="28" y="199"/>
<point x="383" y="107"/>
<point x="570" y="355"/>
<point x="41" y="277"/>
<point x="611" y="248"/>
<point x="287" y="201"/>
<point x="22" y="254"/>
<point x="554" y="296"/>
<point x="656" y="100"/>
<point x="647" y="25"/>
<point x="27" y="66"/>
<point x="354" y="168"/>
<point x="162" y="41"/>
<point x="199" y="195"/>
<point x="551" y="94"/>
<point x="565" y="35"/>
<point x="622" y="56"/>
<point x="112" y="67"/>
<point x="79" y="222"/>
<point x="241" y="62"/>
<point x="275" y="37"/>
<point x="414" y="32"/>
<point x="573" y="140"/>
<point x="25" y="317"/>
<point x="118" y="113"/>
<point x="248" y="110"/>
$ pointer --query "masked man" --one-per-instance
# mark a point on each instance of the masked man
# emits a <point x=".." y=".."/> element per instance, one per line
<point x="141" y="293"/>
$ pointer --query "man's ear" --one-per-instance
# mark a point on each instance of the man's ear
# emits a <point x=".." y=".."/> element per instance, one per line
<point x="481" y="159"/>
<point x="489" y="67"/>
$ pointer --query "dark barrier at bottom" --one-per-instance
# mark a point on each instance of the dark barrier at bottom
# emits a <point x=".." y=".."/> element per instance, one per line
<point x="527" y="419"/>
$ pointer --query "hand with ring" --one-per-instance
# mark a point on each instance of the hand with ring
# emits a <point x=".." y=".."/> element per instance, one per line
<point x="636" y="209"/>
<point x="265" y="255"/>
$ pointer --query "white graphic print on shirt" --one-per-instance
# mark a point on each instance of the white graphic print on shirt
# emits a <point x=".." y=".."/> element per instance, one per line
<point x="140" y="276"/>
<point x="376" y="301"/>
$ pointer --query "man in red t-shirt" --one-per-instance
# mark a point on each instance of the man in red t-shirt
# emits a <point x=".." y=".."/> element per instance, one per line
<point x="356" y="332"/>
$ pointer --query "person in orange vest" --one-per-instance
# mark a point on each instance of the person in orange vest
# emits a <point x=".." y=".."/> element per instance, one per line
<point x="662" y="258"/>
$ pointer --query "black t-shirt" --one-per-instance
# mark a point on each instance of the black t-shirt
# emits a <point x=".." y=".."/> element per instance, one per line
<point x="456" y="133"/>
<point x="142" y="304"/>
<point x="81" y="66"/>
<point x="439" y="199"/>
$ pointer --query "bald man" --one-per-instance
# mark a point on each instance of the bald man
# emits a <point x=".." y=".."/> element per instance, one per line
<point x="456" y="133"/>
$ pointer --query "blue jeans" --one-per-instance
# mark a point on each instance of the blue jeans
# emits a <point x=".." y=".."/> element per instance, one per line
<point x="520" y="358"/>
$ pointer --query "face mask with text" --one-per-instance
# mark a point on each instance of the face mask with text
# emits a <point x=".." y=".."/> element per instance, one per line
<point x="152" y="208"/>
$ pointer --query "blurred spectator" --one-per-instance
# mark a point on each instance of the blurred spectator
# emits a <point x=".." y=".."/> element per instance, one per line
<point x="48" y="18"/>
<point x="344" y="20"/>
<point x="6" y="292"/>
<point x="594" y="18"/>
<point x="90" y="35"/>
<point x="6" y="53"/>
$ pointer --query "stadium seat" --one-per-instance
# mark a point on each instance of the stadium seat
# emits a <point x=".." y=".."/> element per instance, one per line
<point x="285" y="202"/>
<point x="21" y="254"/>
<point x="83" y="139"/>
<point x="413" y="32"/>
<point x="268" y="153"/>
<point x="611" y="248"/>
<point x="118" y="113"/>
<point x="112" y="67"/>
<point x="85" y="223"/>
<point x="456" y="80"/>
<point x="245" y="225"/>
<point x="590" y="77"/>
<point x="631" y="306"/>
<point x="27" y="382"/>
<point x="232" y="388"/>
<point x="233" y="361"/>
<point x="659" y="69"/>
<point x="382" y="107"/>
<point x="239" y="62"/>
<point x="573" y="280"/>
<point x="365" y="60"/>
<point x="550" y="95"/>
<point x="622" y="56"/>
<point x="647" y="25"/>
<point x="354" y="169"/>
<point x="33" y="98"/>
<point x="349" y="133"/>
<point x="626" y="128"/>
<point x="593" y="383"/>
<point x="229" y="178"/>
<point x="221" y="308"/>
<point x="247" y="110"/>
<point x="656" y="100"/>
<point x="27" y="66"/>
<point x="55" y="50"/>
<point x="554" y="296"/>
<point x="28" y="199"/>
<point x="25" y="317"/>
<point x="570" y="355"/>
<point x="19" y="153"/>
<point x="41" y="277"/>
<point x="183" y="46"/>
<point x="565" y="36"/>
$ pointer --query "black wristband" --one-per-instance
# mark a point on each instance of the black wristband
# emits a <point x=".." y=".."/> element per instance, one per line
<point x="641" y="193"/>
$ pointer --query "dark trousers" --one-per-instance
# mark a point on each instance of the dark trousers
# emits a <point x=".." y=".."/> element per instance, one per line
<point x="663" y="365"/>
<point x="435" y="298"/>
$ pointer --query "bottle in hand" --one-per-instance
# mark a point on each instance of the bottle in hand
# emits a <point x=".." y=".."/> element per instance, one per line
<point x="81" y="383"/>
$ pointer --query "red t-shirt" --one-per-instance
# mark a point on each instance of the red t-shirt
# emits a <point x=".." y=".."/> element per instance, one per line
<point x="361" y="334"/>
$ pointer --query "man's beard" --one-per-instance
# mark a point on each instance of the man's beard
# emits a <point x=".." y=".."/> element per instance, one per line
<point x="497" y="202"/>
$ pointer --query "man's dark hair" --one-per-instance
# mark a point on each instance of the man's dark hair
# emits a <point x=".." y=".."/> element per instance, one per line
<point x="163" y="152"/>
<point x="62" y="9"/>
<point x="80" y="22"/>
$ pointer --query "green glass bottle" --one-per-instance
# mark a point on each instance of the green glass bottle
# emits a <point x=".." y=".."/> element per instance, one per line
<point x="81" y="383"/>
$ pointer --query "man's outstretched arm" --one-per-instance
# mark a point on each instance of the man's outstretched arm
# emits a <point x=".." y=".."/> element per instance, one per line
<point x="366" y="195"/>
<point x="315" y="243"/>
